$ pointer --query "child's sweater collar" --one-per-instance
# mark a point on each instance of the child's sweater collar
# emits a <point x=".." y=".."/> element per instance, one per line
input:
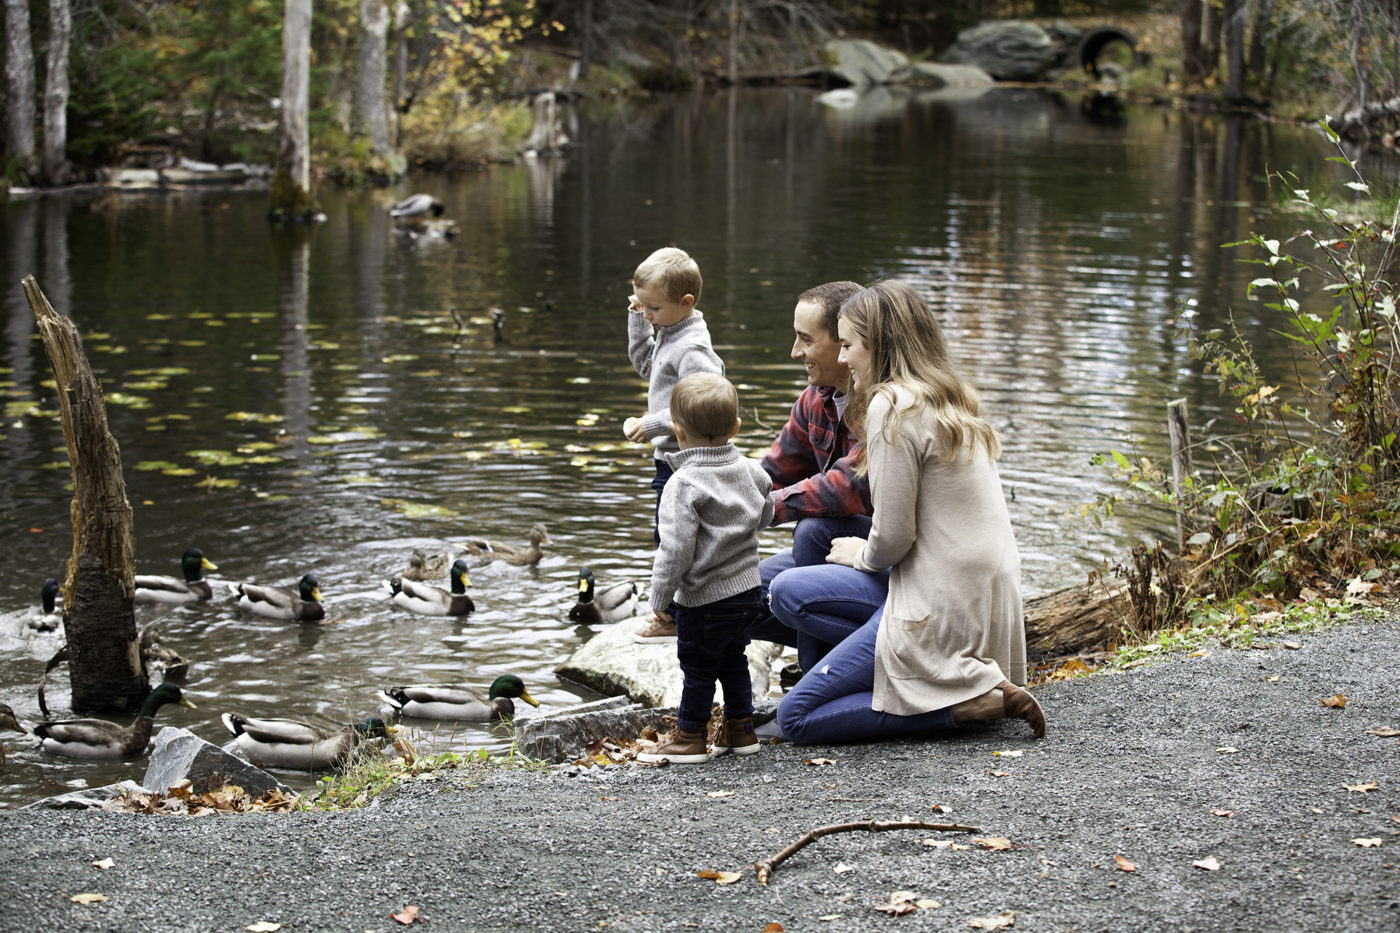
<point x="704" y="456"/>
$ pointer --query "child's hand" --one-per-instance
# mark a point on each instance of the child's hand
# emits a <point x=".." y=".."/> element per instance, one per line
<point x="634" y="304"/>
<point x="632" y="427"/>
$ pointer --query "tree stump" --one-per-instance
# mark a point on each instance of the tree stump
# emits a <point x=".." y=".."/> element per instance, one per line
<point x="103" y="649"/>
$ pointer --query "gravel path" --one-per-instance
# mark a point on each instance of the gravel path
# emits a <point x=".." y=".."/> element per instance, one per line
<point x="1229" y="756"/>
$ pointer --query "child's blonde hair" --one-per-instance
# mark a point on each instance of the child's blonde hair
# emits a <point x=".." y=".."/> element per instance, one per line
<point x="672" y="270"/>
<point x="706" y="406"/>
<point x="907" y="350"/>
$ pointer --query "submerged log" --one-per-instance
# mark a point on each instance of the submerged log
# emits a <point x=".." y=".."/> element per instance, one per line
<point x="103" y="649"/>
<point x="1076" y="619"/>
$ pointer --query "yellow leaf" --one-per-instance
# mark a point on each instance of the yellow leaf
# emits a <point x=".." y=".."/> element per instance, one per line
<point x="1209" y="863"/>
<point x="728" y="877"/>
<point x="1362" y="788"/>
<point x="995" y="843"/>
<point x="87" y="898"/>
<point x="1371" y="843"/>
<point x="105" y="864"/>
<point x="1336" y="702"/>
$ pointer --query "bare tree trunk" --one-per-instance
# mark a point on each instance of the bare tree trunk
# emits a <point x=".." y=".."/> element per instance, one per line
<point x="371" y="68"/>
<point x="291" y="185"/>
<point x="1233" y="15"/>
<point x="56" y="167"/>
<point x="733" y="42"/>
<point x="400" y="73"/>
<point x="19" y="86"/>
<point x="1258" y="40"/>
<point x="104" y="654"/>
<point x="1211" y="24"/>
<point x="585" y="42"/>
<point x="1360" y="69"/>
<point x="1188" y="14"/>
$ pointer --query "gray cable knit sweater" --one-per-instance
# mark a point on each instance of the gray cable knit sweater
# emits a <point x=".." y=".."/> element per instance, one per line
<point x="664" y="358"/>
<point x="711" y="511"/>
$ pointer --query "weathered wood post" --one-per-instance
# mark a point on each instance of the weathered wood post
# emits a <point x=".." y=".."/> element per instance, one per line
<point x="103" y="649"/>
<point x="1179" y="427"/>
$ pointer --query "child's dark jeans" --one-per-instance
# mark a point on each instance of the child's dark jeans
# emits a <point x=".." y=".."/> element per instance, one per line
<point x="664" y="471"/>
<point x="710" y="642"/>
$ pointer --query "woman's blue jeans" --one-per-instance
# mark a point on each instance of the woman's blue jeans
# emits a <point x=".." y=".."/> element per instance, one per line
<point x="825" y="603"/>
<point x="710" y="642"/>
<point x="831" y="703"/>
<point x="811" y="542"/>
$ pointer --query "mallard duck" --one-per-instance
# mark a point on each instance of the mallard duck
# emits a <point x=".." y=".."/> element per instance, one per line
<point x="610" y="604"/>
<point x="98" y="738"/>
<point x="50" y="617"/>
<point x="424" y="567"/>
<point x="160" y="657"/>
<point x="429" y="600"/>
<point x="276" y="602"/>
<point x="290" y="743"/>
<point x="416" y="205"/>
<point x="192" y="589"/>
<point x="488" y="551"/>
<point x="458" y="701"/>
<point x="8" y="723"/>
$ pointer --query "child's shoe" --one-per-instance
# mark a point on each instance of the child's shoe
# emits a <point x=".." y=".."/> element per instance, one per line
<point x="656" y="633"/>
<point x="682" y="748"/>
<point x="737" y="736"/>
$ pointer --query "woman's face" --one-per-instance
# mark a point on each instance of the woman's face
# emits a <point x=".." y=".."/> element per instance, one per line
<point x="853" y="355"/>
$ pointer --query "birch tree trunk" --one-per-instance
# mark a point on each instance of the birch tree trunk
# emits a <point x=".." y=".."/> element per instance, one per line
<point x="371" y="69"/>
<point x="56" y="167"/>
<point x="19" y="86"/>
<point x="104" y="654"/>
<point x="291" y="185"/>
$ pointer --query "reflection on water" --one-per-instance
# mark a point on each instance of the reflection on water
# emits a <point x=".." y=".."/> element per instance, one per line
<point x="291" y="402"/>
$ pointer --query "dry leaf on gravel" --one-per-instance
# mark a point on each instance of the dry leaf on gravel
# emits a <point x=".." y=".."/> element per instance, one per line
<point x="1292" y="645"/>
<point x="999" y="773"/>
<point x="1209" y="863"/>
<point x="945" y="844"/>
<point x="105" y="864"/>
<point x="720" y="877"/>
<point x="1362" y="788"/>
<point x="263" y="926"/>
<point x="1227" y="750"/>
<point x="1016" y="754"/>
<point x="1228" y="814"/>
<point x="1001" y="921"/>
<point x="841" y="868"/>
<point x="942" y="808"/>
<point x="774" y="927"/>
<point x="1383" y="731"/>
<point x="1373" y="842"/>
<point x="995" y="843"/>
<point x="720" y="793"/>
<point x="1336" y="701"/>
<point x="1124" y="864"/>
<point x="87" y="898"/>
<point x="900" y="902"/>
<point x="819" y="761"/>
<point x="407" y="915"/>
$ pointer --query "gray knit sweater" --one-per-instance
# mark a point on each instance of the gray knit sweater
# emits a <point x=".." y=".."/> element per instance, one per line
<point x="664" y="358"/>
<point x="711" y="511"/>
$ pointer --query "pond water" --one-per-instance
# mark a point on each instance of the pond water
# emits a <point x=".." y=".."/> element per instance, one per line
<point x="294" y="402"/>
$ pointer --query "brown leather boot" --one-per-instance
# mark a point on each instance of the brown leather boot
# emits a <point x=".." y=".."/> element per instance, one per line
<point x="682" y="748"/>
<point x="737" y="736"/>
<point x="1021" y="705"/>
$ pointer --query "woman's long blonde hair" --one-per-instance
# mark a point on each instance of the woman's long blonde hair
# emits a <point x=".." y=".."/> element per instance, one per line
<point x="907" y="351"/>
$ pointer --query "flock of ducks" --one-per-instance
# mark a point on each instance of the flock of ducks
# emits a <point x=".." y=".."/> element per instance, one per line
<point x="290" y="743"/>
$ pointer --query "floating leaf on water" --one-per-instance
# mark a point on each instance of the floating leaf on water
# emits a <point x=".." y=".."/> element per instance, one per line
<point x="324" y="345"/>
<point x="254" y="417"/>
<point x="359" y="479"/>
<point x="131" y="401"/>
<point x="399" y="358"/>
<point x="216" y="483"/>
<point x="215" y="457"/>
<point x="255" y="446"/>
<point x="146" y="385"/>
<point x="16" y="409"/>
<point x="580" y="381"/>
<point x="147" y="465"/>
<point x="516" y="410"/>
<point x="346" y="367"/>
<point x="179" y="471"/>
<point x="420" y="509"/>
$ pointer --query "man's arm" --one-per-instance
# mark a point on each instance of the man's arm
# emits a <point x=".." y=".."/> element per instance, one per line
<point x="837" y="492"/>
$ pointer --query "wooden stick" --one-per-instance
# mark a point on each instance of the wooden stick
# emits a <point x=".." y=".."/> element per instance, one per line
<point x="766" y="867"/>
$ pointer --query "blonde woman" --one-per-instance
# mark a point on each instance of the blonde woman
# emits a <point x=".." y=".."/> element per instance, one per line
<point x="948" y="645"/>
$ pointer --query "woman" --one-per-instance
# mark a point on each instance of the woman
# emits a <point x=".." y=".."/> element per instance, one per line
<point x="948" y="644"/>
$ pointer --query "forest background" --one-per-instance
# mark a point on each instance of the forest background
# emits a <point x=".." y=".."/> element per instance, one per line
<point x="447" y="83"/>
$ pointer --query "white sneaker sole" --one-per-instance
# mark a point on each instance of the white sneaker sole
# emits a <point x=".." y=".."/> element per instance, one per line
<point x="654" y="759"/>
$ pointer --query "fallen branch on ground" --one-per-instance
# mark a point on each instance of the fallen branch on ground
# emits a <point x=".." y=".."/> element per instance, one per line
<point x="766" y="867"/>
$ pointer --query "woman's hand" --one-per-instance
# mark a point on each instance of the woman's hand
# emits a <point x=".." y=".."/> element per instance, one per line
<point x="845" y="551"/>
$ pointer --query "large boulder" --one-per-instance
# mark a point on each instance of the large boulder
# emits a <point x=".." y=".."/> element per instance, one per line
<point x="612" y="664"/>
<point x="181" y="755"/>
<point x="1011" y="50"/>
<point x="89" y="798"/>
<point x="940" y="75"/>
<point x="565" y="734"/>
<point x="858" y="62"/>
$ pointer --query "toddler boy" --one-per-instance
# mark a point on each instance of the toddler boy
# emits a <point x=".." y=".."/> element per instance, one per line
<point x="706" y="567"/>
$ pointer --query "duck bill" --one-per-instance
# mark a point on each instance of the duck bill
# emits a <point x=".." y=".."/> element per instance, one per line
<point x="208" y="564"/>
<point x="186" y="701"/>
<point x="316" y="595"/>
<point x="529" y="699"/>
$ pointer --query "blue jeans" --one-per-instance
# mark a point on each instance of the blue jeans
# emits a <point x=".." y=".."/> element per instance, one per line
<point x="811" y="542"/>
<point x="832" y="702"/>
<point x="710" y="642"/>
<point x="824" y="604"/>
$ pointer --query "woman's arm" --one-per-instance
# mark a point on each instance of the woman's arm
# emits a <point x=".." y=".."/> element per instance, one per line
<point x="896" y="467"/>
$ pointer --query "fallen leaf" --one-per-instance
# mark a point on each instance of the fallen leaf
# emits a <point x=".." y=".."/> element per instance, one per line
<point x="1336" y="702"/>
<point x="720" y="877"/>
<point x="105" y="864"/>
<point x="1292" y="645"/>
<point x="263" y="926"/>
<point x="927" y="903"/>
<point x="1228" y="814"/>
<point x="1395" y="817"/>
<point x="841" y="868"/>
<point x="900" y="902"/>
<point x="1209" y="863"/>
<point x="1016" y="754"/>
<point x="1373" y="842"/>
<point x="1362" y="788"/>
<point x="1383" y="731"/>
<point x="827" y="918"/>
<point x="1203" y="653"/>
<point x="995" y="843"/>
<point x="999" y="773"/>
<point x="87" y="898"/>
<point x="407" y="915"/>
<point x="774" y="927"/>
<point x="1124" y="864"/>
<point x="720" y="793"/>
<point x="1227" y="750"/>
<point x="943" y="808"/>
<point x="819" y="761"/>
<point x="1000" y="922"/>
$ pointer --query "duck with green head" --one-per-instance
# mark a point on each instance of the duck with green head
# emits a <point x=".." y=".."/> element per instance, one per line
<point x="426" y="599"/>
<point x="611" y="603"/>
<point x="174" y="591"/>
<point x="276" y="602"/>
<point x="50" y="617"/>
<point x="291" y="743"/>
<point x="98" y="738"/>
<point x="458" y="701"/>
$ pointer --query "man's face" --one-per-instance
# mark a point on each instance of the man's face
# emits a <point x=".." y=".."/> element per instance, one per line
<point x="816" y="347"/>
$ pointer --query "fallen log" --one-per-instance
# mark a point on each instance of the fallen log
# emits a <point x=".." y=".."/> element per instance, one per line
<point x="1076" y="619"/>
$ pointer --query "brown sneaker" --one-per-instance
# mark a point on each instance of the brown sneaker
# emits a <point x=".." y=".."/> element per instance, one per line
<point x="657" y="633"/>
<point x="737" y="736"/>
<point x="682" y="748"/>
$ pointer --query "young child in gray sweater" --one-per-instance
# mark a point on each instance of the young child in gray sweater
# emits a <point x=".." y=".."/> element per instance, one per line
<point x="706" y="567"/>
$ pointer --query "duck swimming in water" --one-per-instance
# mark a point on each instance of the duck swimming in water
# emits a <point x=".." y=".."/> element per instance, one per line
<point x="173" y="590"/>
<point x="426" y="599"/>
<point x="98" y="738"/>
<point x="276" y="602"/>
<point x="458" y="701"/>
